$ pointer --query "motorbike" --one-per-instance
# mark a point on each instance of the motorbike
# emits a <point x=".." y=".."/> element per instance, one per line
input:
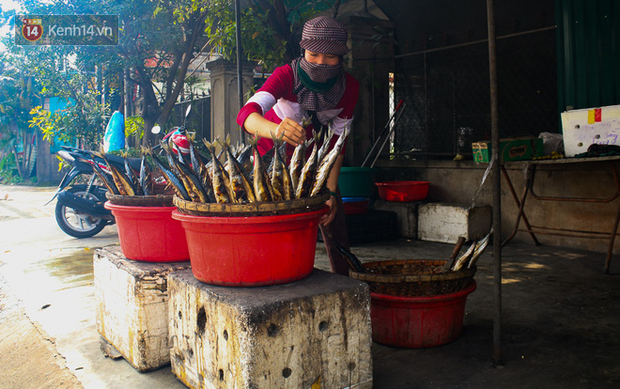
<point x="79" y="209"/>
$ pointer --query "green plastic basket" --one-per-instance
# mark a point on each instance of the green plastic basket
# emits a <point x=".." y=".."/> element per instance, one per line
<point x="356" y="181"/>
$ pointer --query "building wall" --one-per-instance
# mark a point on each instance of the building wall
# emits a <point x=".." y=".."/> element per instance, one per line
<point x="457" y="182"/>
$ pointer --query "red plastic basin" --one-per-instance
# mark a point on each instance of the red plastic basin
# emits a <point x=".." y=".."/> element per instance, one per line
<point x="251" y="251"/>
<point x="403" y="191"/>
<point x="149" y="233"/>
<point x="355" y="205"/>
<point x="416" y="322"/>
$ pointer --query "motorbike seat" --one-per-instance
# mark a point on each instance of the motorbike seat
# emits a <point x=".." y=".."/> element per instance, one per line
<point x="119" y="161"/>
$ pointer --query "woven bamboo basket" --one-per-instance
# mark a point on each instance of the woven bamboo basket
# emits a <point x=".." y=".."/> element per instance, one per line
<point x="272" y="208"/>
<point x="159" y="200"/>
<point x="413" y="278"/>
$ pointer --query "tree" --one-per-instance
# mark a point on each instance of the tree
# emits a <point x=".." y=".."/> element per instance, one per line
<point x="149" y="34"/>
<point x="17" y="97"/>
<point x="270" y="29"/>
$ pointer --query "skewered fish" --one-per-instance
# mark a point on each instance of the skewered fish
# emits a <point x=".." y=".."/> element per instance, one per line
<point x="131" y="175"/>
<point x="327" y="163"/>
<point x="121" y="181"/>
<point x="190" y="181"/>
<point x="297" y="162"/>
<point x="260" y="180"/>
<point x="171" y="178"/>
<point x="481" y="245"/>
<point x="105" y="177"/>
<point x="240" y="186"/>
<point x="463" y="259"/>
<point x="276" y="173"/>
<point x="308" y="172"/>
<point x="145" y="174"/>
<point x="219" y="178"/>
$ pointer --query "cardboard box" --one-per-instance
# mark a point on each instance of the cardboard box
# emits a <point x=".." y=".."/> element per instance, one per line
<point x="517" y="149"/>
<point x="583" y="127"/>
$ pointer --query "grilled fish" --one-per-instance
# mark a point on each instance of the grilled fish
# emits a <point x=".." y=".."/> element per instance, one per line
<point x="171" y="178"/>
<point x="326" y="164"/>
<point x="297" y="162"/>
<point x="131" y="175"/>
<point x="308" y="172"/>
<point x="260" y="180"/>
<point x="221" y="184"/>
<point x="463" y="259"/>
<point x="105" y="177"/>
<point x="276" y="175"/>
<point x="325" y="145"/>
<point x="121" y="181"/>
<point x="145" y="174"/>
<point x="196" y="163"/>
<point x="481" y="245"/>
<point x="244" y="158"/>
<point x="240" y="186"/>
<point x="188" y="178"/>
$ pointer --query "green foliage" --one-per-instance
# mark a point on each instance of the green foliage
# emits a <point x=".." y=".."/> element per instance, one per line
<point x="270" y="28"/>
<point x="17" y="96"/>
<point x="8" y="171"/>
<point x="134" y="126"/>
<point x="85" y="123"/>
<point x="130" y="152"/>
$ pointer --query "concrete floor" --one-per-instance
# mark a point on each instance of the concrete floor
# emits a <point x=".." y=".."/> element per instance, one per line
<point x="558" y="329"/>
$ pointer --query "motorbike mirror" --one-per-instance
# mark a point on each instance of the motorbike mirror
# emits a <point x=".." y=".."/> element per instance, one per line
<point x="155" y="130"/>
<point x="188" y="110"/>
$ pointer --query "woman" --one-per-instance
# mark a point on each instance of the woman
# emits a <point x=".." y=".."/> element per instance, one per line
<point x="313" y="88"/>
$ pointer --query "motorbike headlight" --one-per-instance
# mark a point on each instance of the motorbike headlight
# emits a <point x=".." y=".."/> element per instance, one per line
<point x="66" y="156"/>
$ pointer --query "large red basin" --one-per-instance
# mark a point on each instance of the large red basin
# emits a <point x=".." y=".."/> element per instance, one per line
<point x="416" y="322"/>
<point x="149" y="233"/>
<point x="251" y="251"/>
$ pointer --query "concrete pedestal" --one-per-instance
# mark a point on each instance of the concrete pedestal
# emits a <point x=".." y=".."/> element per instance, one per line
<point x="132" y="306"/>
<point x="445" y="222"/>
<point x="313" y="333"/>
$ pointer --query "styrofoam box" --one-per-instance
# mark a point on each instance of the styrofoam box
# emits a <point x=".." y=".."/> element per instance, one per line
<point x="583" y="127"/>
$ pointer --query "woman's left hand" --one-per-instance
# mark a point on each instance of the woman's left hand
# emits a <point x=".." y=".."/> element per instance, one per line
<point x="329" y="216"/>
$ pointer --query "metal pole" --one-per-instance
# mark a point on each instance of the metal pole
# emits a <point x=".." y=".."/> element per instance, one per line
<point x="497" y="205"/>
<point x="239" y="68"/>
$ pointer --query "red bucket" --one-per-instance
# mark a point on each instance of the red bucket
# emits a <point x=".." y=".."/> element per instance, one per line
<point x="149" y="233"/>
<point x="416" y="322"/>
<point x="251" y="251"/>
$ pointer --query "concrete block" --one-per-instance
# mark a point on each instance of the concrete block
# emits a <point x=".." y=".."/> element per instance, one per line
<point x="313" y="333"/>
<point x="132" y="306"/>
<point x="445" y="222"/>
<point x="406" y="216"/>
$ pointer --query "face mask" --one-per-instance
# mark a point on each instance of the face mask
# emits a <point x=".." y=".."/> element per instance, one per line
<point x="320" y="73"/>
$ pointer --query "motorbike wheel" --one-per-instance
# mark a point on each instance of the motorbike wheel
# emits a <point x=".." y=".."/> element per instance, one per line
<point x="76" y="224"/>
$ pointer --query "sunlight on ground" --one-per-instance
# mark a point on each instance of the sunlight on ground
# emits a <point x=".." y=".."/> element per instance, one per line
<point x="535" y="266"/>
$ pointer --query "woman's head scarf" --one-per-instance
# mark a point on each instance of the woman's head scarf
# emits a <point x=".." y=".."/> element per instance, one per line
<point x="319" y="87"/>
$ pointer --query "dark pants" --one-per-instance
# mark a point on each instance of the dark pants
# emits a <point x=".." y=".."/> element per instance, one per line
<point x="337" y="229"/>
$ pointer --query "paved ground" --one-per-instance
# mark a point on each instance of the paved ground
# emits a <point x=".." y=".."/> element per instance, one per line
<point x="559" y="323"/>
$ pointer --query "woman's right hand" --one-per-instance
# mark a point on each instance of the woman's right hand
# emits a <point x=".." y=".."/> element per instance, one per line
<point x="294" y="133"/>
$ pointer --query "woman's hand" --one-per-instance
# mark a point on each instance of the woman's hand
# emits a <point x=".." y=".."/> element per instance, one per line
<point x="329" y="216"/>
<point x="294" y="133"/>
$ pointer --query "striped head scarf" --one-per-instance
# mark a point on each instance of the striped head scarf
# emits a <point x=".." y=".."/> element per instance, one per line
<point x="319" y="87"/>
<point x="324" y="35"/>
